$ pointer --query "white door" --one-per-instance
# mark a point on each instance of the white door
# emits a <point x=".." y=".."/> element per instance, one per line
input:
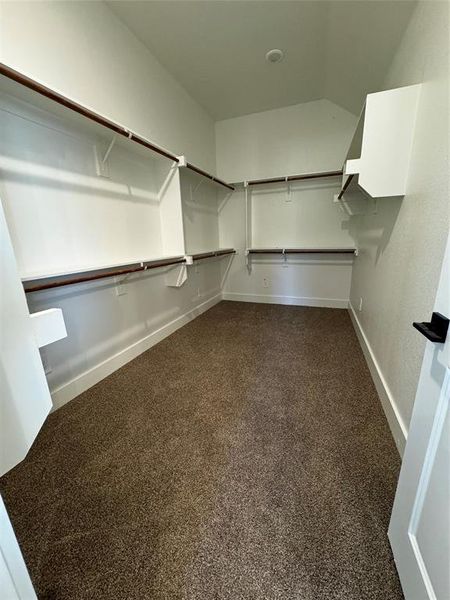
<point x="15" y="583"/>
<point x="419" y="531"/>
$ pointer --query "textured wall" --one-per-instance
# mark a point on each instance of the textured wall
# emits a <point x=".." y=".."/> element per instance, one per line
<point x="402" y="245"/>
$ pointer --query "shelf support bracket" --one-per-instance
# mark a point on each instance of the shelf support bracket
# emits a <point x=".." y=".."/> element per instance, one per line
<point x="195" y="190"/>
<point x="288" y="190"/>
<point x="176" y="276"/>
<point x="224" y="201"/>
<point x="247" y="260"/>
<point x="227" y="270"/>
<point x="248" y="235"/>
<point x="110" y="147"/>
<point x="101" y="163"/>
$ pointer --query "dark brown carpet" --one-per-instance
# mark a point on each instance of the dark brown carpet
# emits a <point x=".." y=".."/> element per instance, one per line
<point x="245" y="457"/>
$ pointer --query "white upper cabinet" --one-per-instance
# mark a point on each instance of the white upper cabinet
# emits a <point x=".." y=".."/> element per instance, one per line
<point x="381" y="147"/>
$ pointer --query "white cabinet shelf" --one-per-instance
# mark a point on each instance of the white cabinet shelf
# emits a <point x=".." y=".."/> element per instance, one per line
<point x="380" y="150"/>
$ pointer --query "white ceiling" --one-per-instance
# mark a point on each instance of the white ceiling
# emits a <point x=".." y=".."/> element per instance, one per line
<point x="338" y="49"/>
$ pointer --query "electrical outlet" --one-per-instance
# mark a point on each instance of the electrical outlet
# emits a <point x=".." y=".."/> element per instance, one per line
<point x="266" y="282"/>
<point x="45" y="361"/>
<point x="360" y="304"/>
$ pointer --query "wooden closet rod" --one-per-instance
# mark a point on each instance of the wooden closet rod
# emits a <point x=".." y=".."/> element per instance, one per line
<point x="208" y="176"/>
<point x="265" y="251"/>
<point x="301" y="251"/>
<point x="319" y="251"/>
<point x="54" y="281"/>
<point x="212" y="254"/>
<point x="82" y="110"/>
<point x="296" y="177"/>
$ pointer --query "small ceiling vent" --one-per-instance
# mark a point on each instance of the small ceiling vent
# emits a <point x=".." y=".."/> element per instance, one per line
<point x="275" y="55"/>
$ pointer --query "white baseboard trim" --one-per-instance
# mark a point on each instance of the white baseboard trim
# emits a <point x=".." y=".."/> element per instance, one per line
<point x="395" y="421"/>
<point x="290" y="300"/>
<point x="70" y="390"/>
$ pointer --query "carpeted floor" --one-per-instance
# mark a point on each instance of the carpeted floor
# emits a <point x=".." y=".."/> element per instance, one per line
<point x="245" y="457"/>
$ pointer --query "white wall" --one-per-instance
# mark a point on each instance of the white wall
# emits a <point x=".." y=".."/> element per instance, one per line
<point x="303" y="138"/>
<point x="401" y="247"/>
<point x="310" y="280"/>
<point x="297" y="139"/>
<point x="303" y="215"/>
<point x="85" y="52"/>
<point x="200" y="199"/>
<point x="62" y="216"/>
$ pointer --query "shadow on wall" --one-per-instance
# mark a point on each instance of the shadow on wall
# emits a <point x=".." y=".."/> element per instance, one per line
<point x="108" y="188"/>
<point x="373" y="226"/>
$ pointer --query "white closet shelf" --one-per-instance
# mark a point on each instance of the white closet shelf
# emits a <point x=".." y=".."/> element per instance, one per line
<point x="183" y="163"/>
<point x="48" y="326"/>
<point x="37" y="94"/>
<point x="47" y="282"/>
<point x="191" y="258"/>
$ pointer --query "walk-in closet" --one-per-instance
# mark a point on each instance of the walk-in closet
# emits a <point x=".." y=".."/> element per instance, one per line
<point x="224" y="276"/>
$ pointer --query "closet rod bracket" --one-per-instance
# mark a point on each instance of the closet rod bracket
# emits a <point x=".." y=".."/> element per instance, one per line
<point x="288" y="190"/>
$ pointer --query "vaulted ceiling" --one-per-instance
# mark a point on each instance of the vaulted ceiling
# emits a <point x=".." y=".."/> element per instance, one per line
<point x="338" y="49"/>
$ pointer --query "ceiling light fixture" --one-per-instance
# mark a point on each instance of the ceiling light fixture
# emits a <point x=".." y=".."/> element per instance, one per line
<point x="275" y="55"/>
